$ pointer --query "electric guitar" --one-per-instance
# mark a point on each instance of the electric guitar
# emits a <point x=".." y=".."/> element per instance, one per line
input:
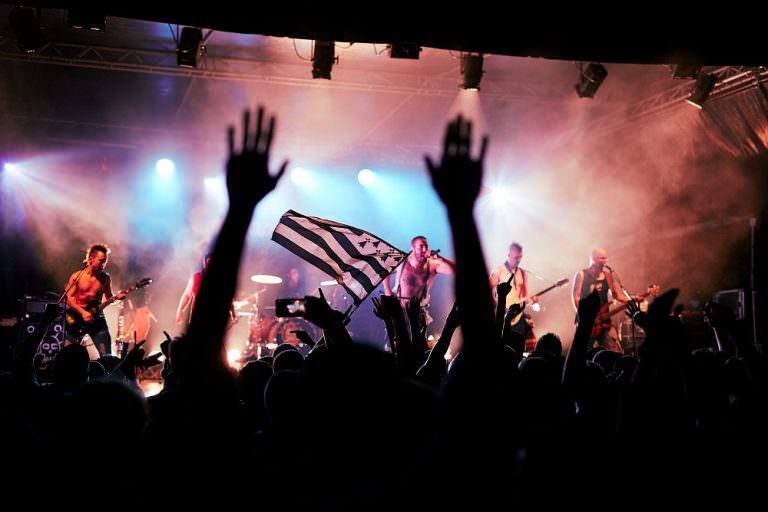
<point x="76" y="326"/>
<point x="527" y="300"/>
<point x="603" y="320"/>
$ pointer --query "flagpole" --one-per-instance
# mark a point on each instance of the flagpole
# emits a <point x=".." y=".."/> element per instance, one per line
<point x="348" y="314"/>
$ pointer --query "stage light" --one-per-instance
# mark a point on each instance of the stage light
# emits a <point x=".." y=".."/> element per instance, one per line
<point x="590" y="79"/>
<point x="165" y="167"/>
<point x="471" y="71"/>
<point x="404" y="51"/>
<point x="499" y="196"/>
<point x="301" y="177"/>
<point x="366" y="177"/>
<point x="9" y="167"/>
<point x="701" y="90"/>
<point x="86" y="20"/>
<point x="323" y="57"/>
<point x="26" y="27"/>
<point x="189" y="47"/>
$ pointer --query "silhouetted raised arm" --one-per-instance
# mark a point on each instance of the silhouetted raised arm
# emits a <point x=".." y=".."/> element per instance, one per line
<point x="576" y="359"/>
<point x="320" y="313"/>
<point x="248" y="182"/>
<point x="502" y="290"/>
<point x="433" y="370"/>
<point x="457" y="179"/>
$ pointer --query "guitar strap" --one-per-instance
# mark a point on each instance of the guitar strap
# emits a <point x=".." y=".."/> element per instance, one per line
<point x="523" y="286"/>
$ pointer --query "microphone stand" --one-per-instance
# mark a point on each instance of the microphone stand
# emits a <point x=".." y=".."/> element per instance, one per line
<point x="629" y="297"/>
<point x="64" y="295"/>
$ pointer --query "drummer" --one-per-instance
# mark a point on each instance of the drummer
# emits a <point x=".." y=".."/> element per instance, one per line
<point x="293" y="286"/>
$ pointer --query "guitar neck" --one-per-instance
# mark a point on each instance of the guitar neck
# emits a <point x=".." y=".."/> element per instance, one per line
<point x="617" y="309"/>
<point x="622" y="307"/>
<point x="112" y="299"/>
<point x="549" y="289"/>
<point x="104" y="304"/>
<point x="545" y="290"/>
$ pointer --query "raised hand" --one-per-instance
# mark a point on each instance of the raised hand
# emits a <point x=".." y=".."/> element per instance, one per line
<point x="304" y="337"/>
<point x="152" y="360"/>
<point x="413" y="308"/>
<point x="165" y="345"/>
<point x="503" y="289"/>
<point x="588" y="309"/>
<point x="514" y="310"/>
<point x="379" y="310"/>
<point x="391" y="305"/>
<point x="458" y="177"/>
<point x="320" y="313"/>
<point x="248" y="178"/>
<point x="453" y="320"/>
<point x="634" y="313"/>
<point x="719" y="316"/>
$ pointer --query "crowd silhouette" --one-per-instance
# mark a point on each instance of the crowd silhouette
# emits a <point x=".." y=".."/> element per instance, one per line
<point x="350" y="426"/>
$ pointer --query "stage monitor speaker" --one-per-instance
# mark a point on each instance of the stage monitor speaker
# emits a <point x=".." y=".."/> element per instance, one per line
<point x="734" y="299"/>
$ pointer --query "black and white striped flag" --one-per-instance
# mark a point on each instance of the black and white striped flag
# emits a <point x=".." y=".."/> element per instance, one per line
<point x="358" y="260"/>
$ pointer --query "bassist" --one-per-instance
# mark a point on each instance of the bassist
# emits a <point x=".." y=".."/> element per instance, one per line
<point x="599" y="276"/>
<point x="85" y="289"/>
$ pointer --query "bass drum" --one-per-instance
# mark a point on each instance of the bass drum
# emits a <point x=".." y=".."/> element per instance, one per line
<point x="281" y="332"/>
<point x="260" y="329"/>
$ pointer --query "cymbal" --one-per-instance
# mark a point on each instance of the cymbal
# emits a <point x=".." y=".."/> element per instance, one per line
<point x="266" y="279"/>
<point x="331" y="282"/>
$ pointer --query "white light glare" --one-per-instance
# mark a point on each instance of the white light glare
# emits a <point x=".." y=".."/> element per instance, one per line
<point x="165" y="167"/>
<point x="301" y="177"/>
<point x="366" y="177"/>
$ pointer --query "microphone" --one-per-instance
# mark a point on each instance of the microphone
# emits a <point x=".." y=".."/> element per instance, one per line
<point x="609" y="268"/>
<point x="434" y="253"/>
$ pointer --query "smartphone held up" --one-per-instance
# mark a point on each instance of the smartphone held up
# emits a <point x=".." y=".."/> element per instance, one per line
<point x="290" y="307"/>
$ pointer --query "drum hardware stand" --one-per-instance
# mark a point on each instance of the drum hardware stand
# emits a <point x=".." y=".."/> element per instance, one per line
<point x="121" y="342"/>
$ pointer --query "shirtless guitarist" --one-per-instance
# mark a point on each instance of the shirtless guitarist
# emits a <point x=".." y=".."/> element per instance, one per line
<point x="85" y="289"/>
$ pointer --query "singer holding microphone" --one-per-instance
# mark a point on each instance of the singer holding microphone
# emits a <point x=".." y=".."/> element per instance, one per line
<point x="415" y="275"/>
<point x="599" y="276"/>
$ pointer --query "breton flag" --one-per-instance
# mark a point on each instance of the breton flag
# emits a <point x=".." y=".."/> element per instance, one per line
<point x="358" y="260"/>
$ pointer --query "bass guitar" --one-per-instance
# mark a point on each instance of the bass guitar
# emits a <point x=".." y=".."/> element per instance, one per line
<point x="76" y="326"/>
<point x="603" y="320"/>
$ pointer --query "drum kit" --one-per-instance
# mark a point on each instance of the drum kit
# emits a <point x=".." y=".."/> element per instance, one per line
<point x="266" y="331"/>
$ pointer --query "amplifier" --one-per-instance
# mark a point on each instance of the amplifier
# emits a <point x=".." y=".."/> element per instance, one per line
<point x="27" y="308"/>
<point x="734" y="299"/>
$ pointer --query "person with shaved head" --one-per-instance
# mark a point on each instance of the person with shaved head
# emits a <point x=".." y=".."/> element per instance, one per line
<point x="598" y="276"/>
